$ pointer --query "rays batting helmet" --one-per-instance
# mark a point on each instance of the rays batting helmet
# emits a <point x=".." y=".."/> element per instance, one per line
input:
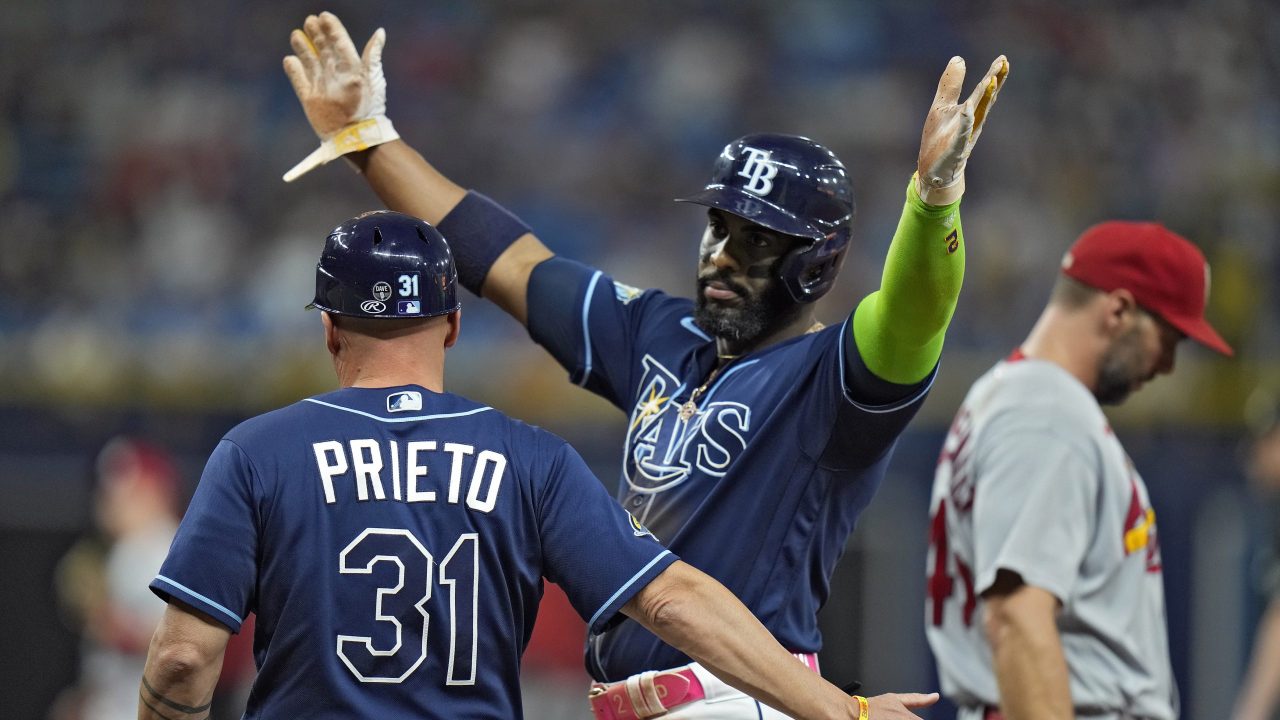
<point x="386" y="264"/>
<point x="795" y="186"/>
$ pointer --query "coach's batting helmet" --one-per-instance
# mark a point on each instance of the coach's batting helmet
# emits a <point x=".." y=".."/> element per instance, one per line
<point x="795" y="186"/>
<point x="386" y="264"/>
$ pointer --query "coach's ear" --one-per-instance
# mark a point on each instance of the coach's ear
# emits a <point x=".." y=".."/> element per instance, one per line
<point x="330" y="332"/>
<point x="1121" y="311"/>
<point x="455" y="328"/>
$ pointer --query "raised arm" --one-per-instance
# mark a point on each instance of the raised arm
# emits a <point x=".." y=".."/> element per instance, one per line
<point x="899" y="328"/>
<point x="344" y="96"/>
<point x="694" y="613"/>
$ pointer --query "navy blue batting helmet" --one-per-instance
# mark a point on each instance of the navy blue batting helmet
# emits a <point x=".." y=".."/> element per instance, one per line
<point x="386" y="264"/>
<point x="795" y="186"/>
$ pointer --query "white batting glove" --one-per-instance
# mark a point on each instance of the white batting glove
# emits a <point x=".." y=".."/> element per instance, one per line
<point x="343" y="94"/>
<point x="951" y="129"/>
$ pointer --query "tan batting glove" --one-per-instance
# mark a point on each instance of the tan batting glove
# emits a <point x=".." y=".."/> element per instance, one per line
<point x="343" y="94"/>
<point x="951" y="130"/>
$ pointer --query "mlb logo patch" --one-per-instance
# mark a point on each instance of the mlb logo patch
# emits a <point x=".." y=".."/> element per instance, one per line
<point x="409" y="307"/>
<point x="407" y="401"/>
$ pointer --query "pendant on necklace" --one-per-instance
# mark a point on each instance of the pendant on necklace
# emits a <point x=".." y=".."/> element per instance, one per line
<point x="688" y="410"/>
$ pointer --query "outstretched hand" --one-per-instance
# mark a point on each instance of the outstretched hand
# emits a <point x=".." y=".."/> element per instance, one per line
<point x="344" y="94"/>
<point x="951" y="129"/>
<point x="895" y="706"/>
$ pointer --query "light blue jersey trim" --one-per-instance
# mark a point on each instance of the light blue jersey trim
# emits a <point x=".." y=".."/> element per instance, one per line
<point x="415" y="418"/>
<point x="688" y="324"/>
<point x="877" y="409"/>
<point x="624" y="587"/>
<point x="200" y="597"/>
<point x="586" y="328"/>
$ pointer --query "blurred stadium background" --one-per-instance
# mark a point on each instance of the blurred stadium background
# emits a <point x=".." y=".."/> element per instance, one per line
<point x="153" y="266"/>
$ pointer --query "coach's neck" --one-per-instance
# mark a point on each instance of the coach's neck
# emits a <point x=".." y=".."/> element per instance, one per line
<point x="377" y="353"/>
<point x="1070" y="338"/>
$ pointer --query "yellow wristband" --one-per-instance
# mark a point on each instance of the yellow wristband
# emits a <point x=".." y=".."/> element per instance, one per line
<point x="864" y="708"/>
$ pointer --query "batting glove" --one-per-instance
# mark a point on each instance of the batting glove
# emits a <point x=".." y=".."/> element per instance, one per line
<point x="343" y="94"/>
<point x="951" y="130"/>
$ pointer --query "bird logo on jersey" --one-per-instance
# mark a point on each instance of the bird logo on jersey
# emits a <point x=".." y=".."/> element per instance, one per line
<point x="1140" y="528"/>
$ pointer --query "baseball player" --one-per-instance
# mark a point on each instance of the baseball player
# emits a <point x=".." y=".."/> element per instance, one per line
<point x="392" y="537"/>
<point x="1045" y="595"/>
<point x="755" y="435"/>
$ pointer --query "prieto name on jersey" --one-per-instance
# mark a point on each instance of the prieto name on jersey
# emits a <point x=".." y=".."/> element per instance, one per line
<point x="418" y="471"/>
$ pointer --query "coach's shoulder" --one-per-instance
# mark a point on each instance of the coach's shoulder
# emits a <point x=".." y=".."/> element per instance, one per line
<point x="1037" y="392"/>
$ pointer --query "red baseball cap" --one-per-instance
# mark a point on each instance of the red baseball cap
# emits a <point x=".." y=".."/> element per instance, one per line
<point x="1167" y="275"/>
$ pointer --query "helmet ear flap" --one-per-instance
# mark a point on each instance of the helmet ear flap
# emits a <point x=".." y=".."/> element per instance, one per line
<point x="808" y="272"/>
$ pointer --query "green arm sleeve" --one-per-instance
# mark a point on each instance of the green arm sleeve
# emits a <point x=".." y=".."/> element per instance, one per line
<point x="900" y="327"/>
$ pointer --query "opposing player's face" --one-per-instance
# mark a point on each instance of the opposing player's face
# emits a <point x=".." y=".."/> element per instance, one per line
<point x="1143" y="351"/>
<point x="739" y="296"/>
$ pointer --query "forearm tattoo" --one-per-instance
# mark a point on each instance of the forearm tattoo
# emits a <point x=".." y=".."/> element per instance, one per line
<point x="176" y="711"/>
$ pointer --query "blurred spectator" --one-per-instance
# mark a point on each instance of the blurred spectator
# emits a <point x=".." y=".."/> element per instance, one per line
<point x="102" y="581"/>
<point x="102" y="586"/>
<point x="1260" y="692"/>
<point x="166" y="134"/>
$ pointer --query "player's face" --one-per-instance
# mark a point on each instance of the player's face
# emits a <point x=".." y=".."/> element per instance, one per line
<point x="739" y="296"/>
<point x="1139" y="354"/>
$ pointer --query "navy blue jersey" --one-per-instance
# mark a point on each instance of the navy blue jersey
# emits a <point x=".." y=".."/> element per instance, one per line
<point x="392" y="542"/>
<point x="761" y="487"/>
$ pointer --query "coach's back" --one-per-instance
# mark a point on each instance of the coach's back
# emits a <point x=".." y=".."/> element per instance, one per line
<point x="392" y="542"/>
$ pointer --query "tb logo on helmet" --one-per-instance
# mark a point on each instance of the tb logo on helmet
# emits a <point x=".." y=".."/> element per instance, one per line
<point x="759" y="171"/>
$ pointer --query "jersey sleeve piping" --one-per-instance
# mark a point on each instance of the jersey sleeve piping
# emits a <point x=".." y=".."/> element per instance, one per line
<point x="415" y="418"/>
<point x="586" y="327"/>
<point x="887" y="408"/>
<point x="625" y="592"/>
<point x="195" y="599"/>
<point x="688" y="323"/>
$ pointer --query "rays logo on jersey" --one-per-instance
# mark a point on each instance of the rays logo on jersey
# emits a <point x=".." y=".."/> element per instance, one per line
<point x="638" y="529"/>
<point x="663" y="449"/>
<point x="407" y="401"/>
<point x="625" y="293"/>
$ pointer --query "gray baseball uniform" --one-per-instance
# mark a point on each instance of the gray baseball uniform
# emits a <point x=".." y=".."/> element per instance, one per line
<point x="1032" y="480"/>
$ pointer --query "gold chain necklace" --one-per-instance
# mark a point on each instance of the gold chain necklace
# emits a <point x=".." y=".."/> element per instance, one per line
<point x="690" y="407"/>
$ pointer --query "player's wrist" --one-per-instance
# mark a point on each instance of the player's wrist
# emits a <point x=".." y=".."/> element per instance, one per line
<point x="863" y="707"/>
<point x="354" y="137"/>
<point x="937" y="192"/>
<point x="934" y="206"/>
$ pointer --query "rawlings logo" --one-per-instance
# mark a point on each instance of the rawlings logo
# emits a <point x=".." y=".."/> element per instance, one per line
<point x="373" y="307"/>
<point x="759" y="171"/>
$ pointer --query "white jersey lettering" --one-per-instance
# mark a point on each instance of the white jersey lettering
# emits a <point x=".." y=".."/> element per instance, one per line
<point x="358" y="465"/>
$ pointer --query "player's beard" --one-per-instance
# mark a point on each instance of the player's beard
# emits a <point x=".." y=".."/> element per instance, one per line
<point x="1120" y="369"/>
<point x="757" y="315"/>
